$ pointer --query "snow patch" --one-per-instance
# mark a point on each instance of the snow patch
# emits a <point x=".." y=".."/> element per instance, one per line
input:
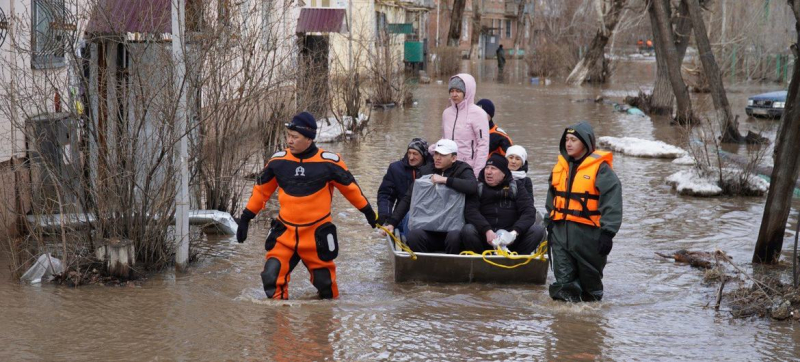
<point x="641" y="148"/>
<point x="685" y="160"/>
<point x="690" y="182"/>
<point x="330" y="130"/>
<point x="695" y="183"/>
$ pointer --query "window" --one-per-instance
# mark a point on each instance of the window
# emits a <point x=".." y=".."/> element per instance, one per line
<point x="508" y="28"/>
<point x="268" y="24"/>
<point x="51" y="27"/>
<point x="380" y="27"/>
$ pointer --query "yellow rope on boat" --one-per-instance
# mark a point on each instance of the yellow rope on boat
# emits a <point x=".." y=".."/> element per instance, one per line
<point x="539" y="254"/>
<point x="400" y="244"/>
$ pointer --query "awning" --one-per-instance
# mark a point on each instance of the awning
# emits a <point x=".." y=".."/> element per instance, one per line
<point x="131" y="16"/>
<point x="316" y="20"/>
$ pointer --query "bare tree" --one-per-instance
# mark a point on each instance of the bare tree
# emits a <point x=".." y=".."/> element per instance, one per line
<point x="662" y="98"/>
<point x="786" y="166"/>
<point x="668" y="50"/>
<point x="114" y="178"/>
<point x="456" y="18"/>
<point x="594" y="65"/>
<point x="475" y="35"/>
<point x="728" y="124"/>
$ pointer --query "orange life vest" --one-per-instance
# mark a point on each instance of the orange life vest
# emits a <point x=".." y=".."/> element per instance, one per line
<point x="580" y="203"/>
<point x="499" y="132"/>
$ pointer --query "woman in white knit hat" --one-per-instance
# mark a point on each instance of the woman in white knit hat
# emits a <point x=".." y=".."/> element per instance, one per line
<point x="518" y="164"/>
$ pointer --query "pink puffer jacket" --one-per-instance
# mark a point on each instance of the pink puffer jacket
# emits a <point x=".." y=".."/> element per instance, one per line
<point x="468" y="125"/>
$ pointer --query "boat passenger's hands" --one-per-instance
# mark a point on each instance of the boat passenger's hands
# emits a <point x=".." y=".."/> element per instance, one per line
<point x="438" y="179"/>
<point x="490" y="236"/>
<point x="389" y="228"/>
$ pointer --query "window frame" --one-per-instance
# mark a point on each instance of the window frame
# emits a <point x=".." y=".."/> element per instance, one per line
<point x="45" y="59"/>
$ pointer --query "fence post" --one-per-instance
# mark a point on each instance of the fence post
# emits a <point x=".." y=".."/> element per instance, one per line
<point x="778" y="67"/>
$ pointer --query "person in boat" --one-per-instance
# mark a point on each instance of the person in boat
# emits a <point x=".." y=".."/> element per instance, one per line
<point x="304" y="177"/>
<point x="499" y="140"/>
<point x="500" y="204"/>
<point x="398" y="177"/>
<point x="584" y="205"/>
<point x="465" y="123"/>
<point x="518" y="164"/>
<point x="447" y="170"/>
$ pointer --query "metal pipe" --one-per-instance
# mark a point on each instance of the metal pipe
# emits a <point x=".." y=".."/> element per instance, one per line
<point x="182" y="154"/>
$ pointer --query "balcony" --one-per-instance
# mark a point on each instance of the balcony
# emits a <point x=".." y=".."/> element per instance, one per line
<point x="512" y="6"/>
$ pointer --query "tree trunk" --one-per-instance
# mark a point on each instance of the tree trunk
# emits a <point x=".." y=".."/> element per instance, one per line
<point x="785" y="170"/>
<point x="520" y="26"/>
<point x="593" y="66"/>
<point x="728" y="125"/>
<point x="454" y="34"/>
<point x="662" y="98"/>
<point x="684" y="114"/>
<point x="475" y="35"/>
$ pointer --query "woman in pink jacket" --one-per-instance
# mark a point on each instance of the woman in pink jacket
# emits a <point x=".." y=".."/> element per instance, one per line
<point x="466" y="123"/>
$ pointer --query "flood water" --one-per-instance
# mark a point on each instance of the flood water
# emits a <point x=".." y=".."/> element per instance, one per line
<point x="652" y="310"/>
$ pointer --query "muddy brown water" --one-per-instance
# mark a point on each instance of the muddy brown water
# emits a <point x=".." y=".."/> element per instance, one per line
<point x="653" y="309"/>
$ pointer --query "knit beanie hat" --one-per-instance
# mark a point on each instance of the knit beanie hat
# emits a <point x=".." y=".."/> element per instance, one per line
<point x="305" y="124"/>
<point x="457" y="83"/>
<point x="519" y="151"/>
<point x="500" y="162"/>
<point x="487" y="106"/>
<point x="419" y="145"/>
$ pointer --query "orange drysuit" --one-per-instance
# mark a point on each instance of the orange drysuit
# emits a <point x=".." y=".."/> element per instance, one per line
<point x="303" y="229"/>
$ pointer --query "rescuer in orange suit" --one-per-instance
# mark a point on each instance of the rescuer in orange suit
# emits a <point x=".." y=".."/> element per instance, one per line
<point x="304" y="177"/>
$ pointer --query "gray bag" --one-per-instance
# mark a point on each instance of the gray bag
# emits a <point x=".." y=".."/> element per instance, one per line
<point x="435" y="207"/>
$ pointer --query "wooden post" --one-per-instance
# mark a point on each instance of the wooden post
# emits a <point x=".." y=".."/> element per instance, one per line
<point x="118" y="256"/>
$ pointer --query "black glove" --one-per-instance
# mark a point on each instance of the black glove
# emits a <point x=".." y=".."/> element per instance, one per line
<point x="244" y="223"/>
<point x="372" y="218"/>
<point x="549" y="229"/>
<point x="382" y="219"/>
<point x="605" y="243"/>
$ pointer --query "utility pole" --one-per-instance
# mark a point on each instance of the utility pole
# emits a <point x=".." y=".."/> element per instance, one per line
<point x="182" y="154"/>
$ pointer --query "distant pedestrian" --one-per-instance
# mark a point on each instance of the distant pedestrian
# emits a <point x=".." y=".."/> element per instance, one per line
<point x="501" y="57"/>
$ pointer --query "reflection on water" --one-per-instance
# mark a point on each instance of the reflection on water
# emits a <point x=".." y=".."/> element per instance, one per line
<point x="653" y="309"/>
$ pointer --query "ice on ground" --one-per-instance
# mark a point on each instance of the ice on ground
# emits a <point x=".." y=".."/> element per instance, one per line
<point x="330" y="130"/>
<point x="686" y="160"/>
<point x="641" y="148"/>
<point x="695" y="183"/>
<point x="690" y="182"/>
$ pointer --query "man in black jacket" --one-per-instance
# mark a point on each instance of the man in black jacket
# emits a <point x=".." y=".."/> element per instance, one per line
<point x="447" y="170"/>
<point x="500" y="204"/>
<point x="399" y="176"/>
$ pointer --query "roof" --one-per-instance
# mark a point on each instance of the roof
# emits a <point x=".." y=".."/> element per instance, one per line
<point x="779" y="96"/>
<point x="131" y="16"/>
<point x="319" y="20"/>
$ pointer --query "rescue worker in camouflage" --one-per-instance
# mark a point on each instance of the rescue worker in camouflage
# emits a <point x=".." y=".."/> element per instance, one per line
<point x="584" y="205"/>
<point x="304" y="177"/>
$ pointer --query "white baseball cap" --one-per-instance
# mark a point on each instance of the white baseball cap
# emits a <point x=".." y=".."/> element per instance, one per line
<point x="446" y="147"/>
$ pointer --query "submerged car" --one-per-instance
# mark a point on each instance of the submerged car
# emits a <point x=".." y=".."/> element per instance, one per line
<point x="766" y="104"/>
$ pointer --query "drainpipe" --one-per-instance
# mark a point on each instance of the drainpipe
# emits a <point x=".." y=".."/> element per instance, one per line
<point x="438" y="6"/>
